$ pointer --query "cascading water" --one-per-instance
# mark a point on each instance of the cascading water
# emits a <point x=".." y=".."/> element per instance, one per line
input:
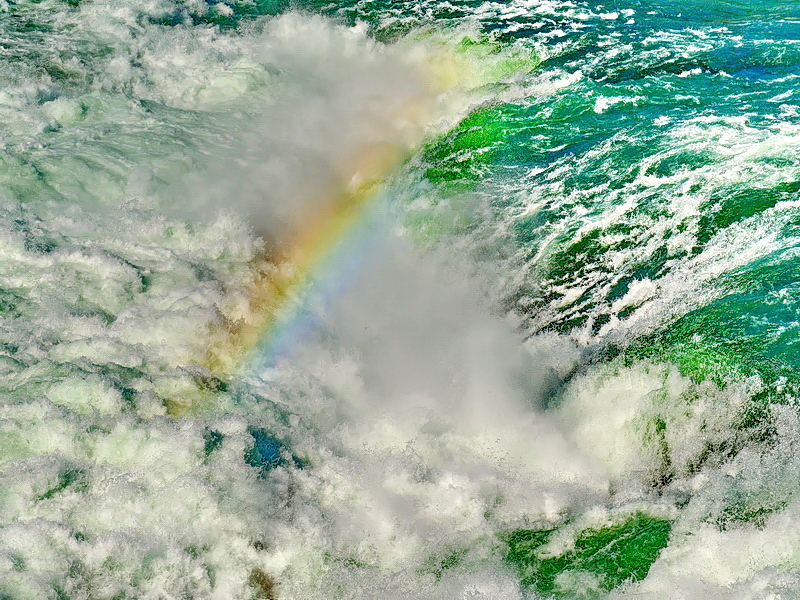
<point x="420" y="300"/>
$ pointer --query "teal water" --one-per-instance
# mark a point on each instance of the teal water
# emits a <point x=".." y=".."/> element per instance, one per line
<point x="563" y="365"/>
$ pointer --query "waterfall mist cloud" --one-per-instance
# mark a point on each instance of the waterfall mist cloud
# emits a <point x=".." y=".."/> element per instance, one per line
<point x="412" y="354"/>
<point x="420" y="410"/>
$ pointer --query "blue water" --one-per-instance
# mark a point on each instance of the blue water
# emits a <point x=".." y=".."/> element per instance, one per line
<point x="565" y="365"/>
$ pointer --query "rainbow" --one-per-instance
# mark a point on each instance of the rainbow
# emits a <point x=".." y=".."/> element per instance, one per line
<point x="313" y="263"/>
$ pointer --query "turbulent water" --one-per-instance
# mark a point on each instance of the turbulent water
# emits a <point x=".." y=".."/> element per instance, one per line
<point x="556" y="357"/>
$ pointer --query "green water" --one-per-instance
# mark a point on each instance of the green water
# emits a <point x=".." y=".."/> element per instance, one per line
<point x="610" y="556"/>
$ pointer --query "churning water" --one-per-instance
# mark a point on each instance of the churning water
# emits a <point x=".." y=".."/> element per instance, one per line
<point x="382" y="300"/>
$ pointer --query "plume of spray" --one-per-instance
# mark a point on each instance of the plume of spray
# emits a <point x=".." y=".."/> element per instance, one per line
<point x="430" y="366"/>
<point x="307" y="174"/>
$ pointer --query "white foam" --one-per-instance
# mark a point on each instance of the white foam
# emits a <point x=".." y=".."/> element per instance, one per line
<point x="647" y="422"/>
